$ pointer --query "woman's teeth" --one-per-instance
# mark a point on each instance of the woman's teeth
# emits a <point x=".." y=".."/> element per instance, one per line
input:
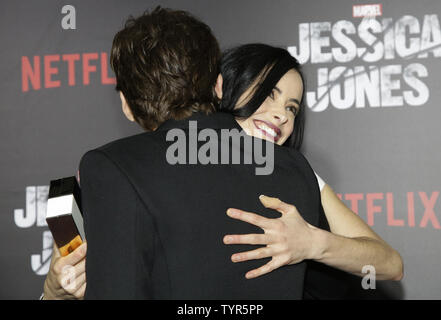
<point x="267" y="129"/>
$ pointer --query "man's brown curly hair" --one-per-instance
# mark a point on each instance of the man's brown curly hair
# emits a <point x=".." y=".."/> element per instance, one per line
<point x="166" y="64"/>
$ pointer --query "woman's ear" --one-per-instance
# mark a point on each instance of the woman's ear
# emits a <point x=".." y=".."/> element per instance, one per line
<point x="218" y="87"/>
<point x="125" y="107"/>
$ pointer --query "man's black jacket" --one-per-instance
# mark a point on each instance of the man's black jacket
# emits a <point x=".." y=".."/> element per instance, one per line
<point x="155" y="230"/>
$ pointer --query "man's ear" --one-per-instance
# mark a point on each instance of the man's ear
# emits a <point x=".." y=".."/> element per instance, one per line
<point x="126" y="108"/>
<point x="218" y="87"/>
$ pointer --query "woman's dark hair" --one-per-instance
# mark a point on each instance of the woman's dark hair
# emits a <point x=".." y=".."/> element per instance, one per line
<point x="166" y="63"/>
<point x="263" y="66"/>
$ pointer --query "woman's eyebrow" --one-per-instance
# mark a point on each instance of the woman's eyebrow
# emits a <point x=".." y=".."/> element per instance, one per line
<point x="277" y="89"/>
<point x="295" y="101"/>
<point x="291" y="100"/>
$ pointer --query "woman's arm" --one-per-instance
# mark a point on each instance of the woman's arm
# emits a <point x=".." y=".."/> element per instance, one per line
<point x="349" y="246"/>
<point x="352" y="244"/>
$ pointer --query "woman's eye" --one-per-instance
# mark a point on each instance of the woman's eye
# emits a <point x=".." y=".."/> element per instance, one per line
<point x="293" y="110"/>
<point x="271" y="95"/>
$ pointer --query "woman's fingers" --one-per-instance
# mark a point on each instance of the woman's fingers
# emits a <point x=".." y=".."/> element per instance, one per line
<point x="248" y="239"/>
<point x="260" y="253"/>
<point x="277" y="204"/>
<point x="267" y="268"/>
<point x="249" y="217"/>
<point x="279" y="237"/>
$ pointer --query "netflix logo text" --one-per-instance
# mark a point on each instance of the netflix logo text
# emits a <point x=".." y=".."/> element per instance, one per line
<point x="410" y="209"/>
<point x="56" y="70"/>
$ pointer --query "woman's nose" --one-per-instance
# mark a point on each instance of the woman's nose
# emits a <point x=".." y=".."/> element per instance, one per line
<point x="280" y="116"/>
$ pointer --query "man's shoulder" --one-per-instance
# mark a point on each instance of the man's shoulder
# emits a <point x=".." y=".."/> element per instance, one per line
<point x="129" y="148"/>
<point x="297" y="156"/>
<point x="303" y="164"/>
<point x="133" y="141"/>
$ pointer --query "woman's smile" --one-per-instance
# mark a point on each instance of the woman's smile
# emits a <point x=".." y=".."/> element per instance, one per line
<point x="268" y="129"/>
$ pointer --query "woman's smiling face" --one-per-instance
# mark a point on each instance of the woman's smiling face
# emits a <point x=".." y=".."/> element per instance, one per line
<point x="274" y="119"/>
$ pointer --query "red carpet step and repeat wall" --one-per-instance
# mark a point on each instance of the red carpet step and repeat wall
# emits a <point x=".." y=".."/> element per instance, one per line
<point x="373" y="98"/>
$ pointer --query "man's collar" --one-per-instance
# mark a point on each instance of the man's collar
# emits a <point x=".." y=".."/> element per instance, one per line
<point x="217" y="120"/>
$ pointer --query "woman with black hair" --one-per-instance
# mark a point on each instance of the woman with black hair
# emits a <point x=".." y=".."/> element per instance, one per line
<point x="263" y="87"/>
